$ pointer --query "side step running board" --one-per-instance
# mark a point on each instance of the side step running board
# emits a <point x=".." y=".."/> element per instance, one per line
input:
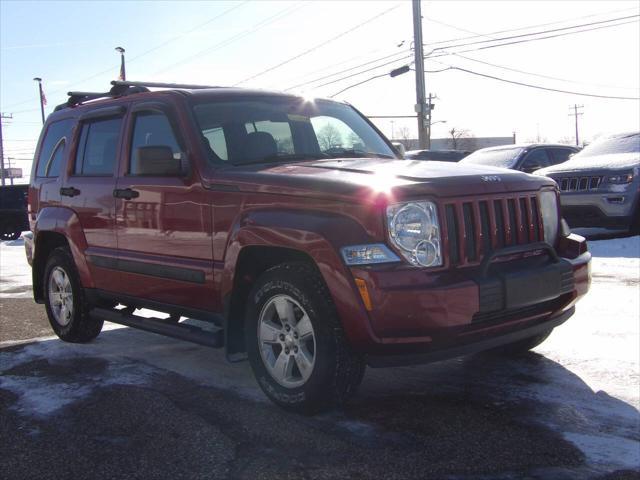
<point x="181" y="331"/>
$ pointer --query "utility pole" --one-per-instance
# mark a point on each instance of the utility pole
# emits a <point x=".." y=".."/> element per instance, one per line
<point x="39" y="80"/>
<point x="430" y="107"/>
<point x="422" y="108"/>
<point x="576" y="114"/>
<point x="2" y="171"/>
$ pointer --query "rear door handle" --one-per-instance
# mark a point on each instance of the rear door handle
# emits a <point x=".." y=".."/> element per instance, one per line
<point x="69" y="191"/>
<point x="125" y="193"/>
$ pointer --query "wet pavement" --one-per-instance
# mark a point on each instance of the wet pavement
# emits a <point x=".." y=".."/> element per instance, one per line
<point x="138" y="405"/>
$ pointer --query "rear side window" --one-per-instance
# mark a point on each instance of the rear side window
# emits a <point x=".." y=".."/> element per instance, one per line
<point x="56" y="135"/>
<point x="98" y="148"/>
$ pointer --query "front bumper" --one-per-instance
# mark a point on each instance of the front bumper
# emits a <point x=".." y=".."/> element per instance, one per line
<point x="599" y="209"/>
<point x="417" y="314"/>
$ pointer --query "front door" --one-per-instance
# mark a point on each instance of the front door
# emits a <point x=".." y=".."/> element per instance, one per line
<point x="163" y="220"/>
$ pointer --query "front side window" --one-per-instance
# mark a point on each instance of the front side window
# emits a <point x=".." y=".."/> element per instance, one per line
<point x="56" y="134"/>
<point x="535" y="160"/>
<point x="98" y="148"/>
<point x="561" y="155"/>
<point x="151" y="129"/>
<point x="277" y="129"/>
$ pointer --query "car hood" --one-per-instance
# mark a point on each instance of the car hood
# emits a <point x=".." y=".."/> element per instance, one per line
<point x="367" y="178"/>
<point x="614" y="161"/>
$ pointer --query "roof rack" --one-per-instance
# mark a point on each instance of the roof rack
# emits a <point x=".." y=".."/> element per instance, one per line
<point x="122" y="88"/>
<point x="125" y="83"/>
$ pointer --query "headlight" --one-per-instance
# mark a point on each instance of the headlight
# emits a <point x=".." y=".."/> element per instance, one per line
<point x="626" y="177"/>
<point x="549" y="209"/>
<point x="415" y="231"/>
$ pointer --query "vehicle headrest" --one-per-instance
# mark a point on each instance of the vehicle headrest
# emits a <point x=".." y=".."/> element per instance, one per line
<point x="259" y="145"/>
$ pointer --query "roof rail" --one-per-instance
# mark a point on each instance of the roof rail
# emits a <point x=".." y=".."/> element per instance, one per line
<point x="76" y="98"/>
<point x="125" y="83"/>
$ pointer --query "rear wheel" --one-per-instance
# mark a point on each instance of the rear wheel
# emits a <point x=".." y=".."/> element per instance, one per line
<point x="65" y="301"/>
<point x="522" y="346"/>
<point x="295" y="341"/>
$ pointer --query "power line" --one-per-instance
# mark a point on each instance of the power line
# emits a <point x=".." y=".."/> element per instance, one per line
<point x="52" y="92"/>
<point x="258" y="26"/>
<point x="427" y="44"/>
<point x="375" y="77"/>
<point x="488" y="35"/>
<point x="539" y="32"/>
<point x="511" y="69"/>
<point x="404" y="52"/>
<point x="539" y="87"/>
<point x="318" y="46"/>
<point x="177" y="37"/>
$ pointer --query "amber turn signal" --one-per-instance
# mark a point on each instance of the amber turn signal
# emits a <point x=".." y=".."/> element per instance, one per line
<point x="364" y="293"/>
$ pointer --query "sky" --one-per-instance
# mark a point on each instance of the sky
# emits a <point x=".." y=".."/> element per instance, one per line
<point x="279" y="45"/>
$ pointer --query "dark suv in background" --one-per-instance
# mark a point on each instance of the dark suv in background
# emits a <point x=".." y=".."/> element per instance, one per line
<point x="312" y="256"/>
<point x="526" y="158"/>
<point x="600" y="186"/>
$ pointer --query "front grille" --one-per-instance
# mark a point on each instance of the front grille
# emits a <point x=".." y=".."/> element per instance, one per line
<point x="474" y="228"/>
<point x="579" y="184"/>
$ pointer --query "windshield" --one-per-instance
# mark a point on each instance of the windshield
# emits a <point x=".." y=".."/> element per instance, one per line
<point x="277" y="129"/>
<point x="618" y="144"/>
<point x="504" y="157"/>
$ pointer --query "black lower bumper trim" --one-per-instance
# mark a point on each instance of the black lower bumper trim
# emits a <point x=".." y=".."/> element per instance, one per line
<point x="461" y="350"/>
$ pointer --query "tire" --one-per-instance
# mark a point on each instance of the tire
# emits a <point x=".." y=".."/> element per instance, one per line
<point x="301" y="361"/>
<point x="634" y="228"/>
<point x="66" y="305"/>
<point x="523" y="346"/>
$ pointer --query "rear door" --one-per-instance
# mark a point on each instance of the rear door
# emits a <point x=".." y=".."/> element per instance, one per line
<point x="164" y="222"/>
<point x="88" y="189"/>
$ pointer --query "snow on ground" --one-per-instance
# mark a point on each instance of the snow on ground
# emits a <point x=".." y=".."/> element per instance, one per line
<point x="586" y="386"/>
<point x="15" y="274"/>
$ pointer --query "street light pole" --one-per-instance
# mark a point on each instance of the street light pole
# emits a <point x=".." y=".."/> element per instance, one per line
<point x="123" y="73"/>
<point x="39" y="80"/>
<point x="421" y="105"/>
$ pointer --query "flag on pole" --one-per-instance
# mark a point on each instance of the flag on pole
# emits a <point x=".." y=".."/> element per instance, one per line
<point x="43" y="98"/>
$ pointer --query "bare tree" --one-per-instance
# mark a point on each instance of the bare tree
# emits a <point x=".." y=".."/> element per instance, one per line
<point x="457" y="134"/>
<point x="404" y="133"/>
<point x="329" y="136"/>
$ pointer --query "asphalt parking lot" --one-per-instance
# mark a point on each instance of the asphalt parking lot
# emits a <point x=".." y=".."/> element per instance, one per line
<point x="137" y="405"/>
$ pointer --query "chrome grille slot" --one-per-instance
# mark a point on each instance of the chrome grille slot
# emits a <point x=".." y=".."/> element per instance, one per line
<point x="475" y="228"/>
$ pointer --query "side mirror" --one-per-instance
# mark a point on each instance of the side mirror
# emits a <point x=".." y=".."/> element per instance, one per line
<point x="156" y="160"/>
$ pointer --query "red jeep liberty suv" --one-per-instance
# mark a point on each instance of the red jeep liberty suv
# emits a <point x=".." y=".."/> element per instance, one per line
<point x="288" y="231"/>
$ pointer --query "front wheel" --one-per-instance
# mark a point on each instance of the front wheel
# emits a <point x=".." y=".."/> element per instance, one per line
<point x="66" y="306"/>
<point x="295" y="341"/>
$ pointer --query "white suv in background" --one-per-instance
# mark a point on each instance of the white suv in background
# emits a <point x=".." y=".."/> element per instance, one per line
<point x="600" y="186"/>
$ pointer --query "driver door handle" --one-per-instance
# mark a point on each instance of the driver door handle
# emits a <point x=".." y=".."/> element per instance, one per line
<point x="125" y="193"/>
<point x="69" y="191"/>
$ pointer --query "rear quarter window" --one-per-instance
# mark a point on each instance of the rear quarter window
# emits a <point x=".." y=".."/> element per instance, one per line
<point x="58" y="134"/>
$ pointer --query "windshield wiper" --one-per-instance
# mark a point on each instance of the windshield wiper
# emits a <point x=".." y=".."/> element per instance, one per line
<point x="352" y="152"/>
<point x="285" y="157"/>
